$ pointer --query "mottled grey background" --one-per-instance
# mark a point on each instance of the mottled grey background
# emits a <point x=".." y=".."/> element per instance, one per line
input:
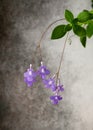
<point x="22" y="108"/>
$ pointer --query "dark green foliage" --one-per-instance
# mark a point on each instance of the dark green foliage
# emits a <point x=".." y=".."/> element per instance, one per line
<point x="79" y="31"/>
<point x="68" y="27"/>
<point x="82" y="26"/>
<point x="58" y="32"/>
<point x="89" y="29"/>
<point x="83" y="41"/>
<point x="69" y="16"/>
<point x="84" y="16"/>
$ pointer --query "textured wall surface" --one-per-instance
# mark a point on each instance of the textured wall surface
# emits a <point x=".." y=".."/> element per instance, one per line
<point x="22" y="108"/>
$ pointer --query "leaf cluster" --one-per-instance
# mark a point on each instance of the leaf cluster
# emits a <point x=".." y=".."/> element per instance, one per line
<point x="82" y="26"/>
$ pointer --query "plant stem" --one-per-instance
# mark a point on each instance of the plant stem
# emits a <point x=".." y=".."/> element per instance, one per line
<point x="39" y="46"/>
<point x="43" y="34"/>
<point x="61" y="57"/>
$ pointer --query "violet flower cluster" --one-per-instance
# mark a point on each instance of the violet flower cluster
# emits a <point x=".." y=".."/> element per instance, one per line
<point x="49" y="82"/>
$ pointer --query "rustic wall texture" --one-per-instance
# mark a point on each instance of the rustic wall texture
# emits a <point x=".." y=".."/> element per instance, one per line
<point x="22" y="108"/>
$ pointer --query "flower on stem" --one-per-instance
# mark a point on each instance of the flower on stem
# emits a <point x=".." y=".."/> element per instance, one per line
<point x="54" y="85"/>
<point x="29" y="76"/>
<point x="43" y="71"/>
<point x="59" y="88"/>
<point x="55" y="99"/>
<point x="50" y="83"/>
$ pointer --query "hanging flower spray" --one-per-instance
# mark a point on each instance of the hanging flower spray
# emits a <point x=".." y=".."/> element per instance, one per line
<point x="82" y="26"/>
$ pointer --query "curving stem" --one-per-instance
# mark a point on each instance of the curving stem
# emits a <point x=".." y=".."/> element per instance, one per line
<point x="62" y="57"/>
<point x="43" y="34"/>
<point x="39" y="46"/>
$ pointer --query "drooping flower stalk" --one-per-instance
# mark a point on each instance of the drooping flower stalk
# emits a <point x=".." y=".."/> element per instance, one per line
<point x="40" y="41"/>
<point x="43" y="71"/>
<point x="43" y="34"/>
<point x="62" y="54"/>
<point x="50" y="83"/>
<point x="30" y="76"/>
<point x="81" y="26"/>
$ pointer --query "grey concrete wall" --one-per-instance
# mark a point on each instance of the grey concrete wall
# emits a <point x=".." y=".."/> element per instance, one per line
<point x="22" y="108"/>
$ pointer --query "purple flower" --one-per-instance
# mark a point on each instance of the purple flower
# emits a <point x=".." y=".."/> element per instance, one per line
<point x="59" y="88"/>
<point x="50" y="83"/>
<point x="55" y="99"/>
<point x="29" y="76"/>
<point x="43" y="71"/>
<point x="29" y="83"/>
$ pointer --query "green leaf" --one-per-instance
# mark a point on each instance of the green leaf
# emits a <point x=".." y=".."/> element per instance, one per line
<point x="58" y="32"/>
<point x="84" y="16"/>
<point x="78" y="30"/>
<point x="83" y="41"/>
<point x="91" y="11"/>
<point x="69" y="16"/>
<point x="89" y="29"/>
<point x="68" y="27"/>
